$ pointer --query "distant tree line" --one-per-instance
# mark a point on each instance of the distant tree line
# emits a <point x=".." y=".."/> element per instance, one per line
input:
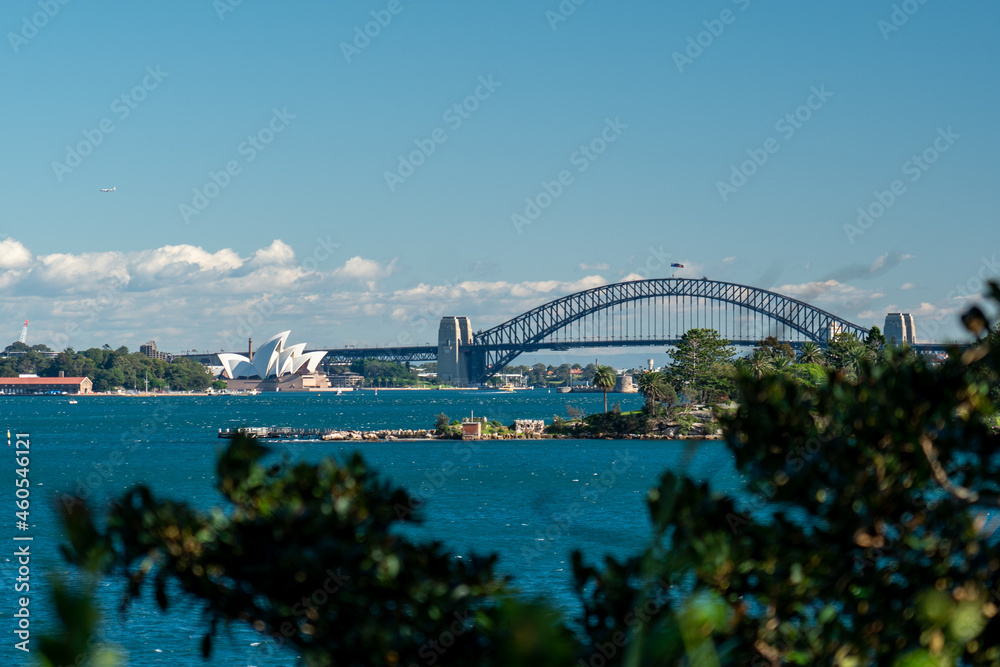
<point x="379" y="373"/>
<point x="108" y="369"/>
<point x="704" y="367"/>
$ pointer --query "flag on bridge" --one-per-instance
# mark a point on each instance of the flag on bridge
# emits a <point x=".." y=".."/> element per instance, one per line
<point x="677" y="266"/>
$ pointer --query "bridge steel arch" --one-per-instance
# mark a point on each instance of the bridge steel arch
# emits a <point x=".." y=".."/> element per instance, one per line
<point x="497" y="347"/>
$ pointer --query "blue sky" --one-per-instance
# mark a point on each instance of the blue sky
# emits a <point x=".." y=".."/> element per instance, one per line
<point x="311" y="235"/>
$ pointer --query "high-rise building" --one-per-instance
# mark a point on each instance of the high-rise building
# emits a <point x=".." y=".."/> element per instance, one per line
<point x="899" y="329"/>
<point x="149" y="349"/>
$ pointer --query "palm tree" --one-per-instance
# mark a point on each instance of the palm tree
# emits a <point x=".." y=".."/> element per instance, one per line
<point x="759" y="364"/>
<point x="810" y="353"/>
<point x="605" y="379"/>
<point x="857" y="357"/>
<point x="654" y="388"/>
<point x="780" y="364"/>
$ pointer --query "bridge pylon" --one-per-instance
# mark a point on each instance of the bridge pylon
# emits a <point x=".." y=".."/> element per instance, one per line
<point x="454" y="333"/>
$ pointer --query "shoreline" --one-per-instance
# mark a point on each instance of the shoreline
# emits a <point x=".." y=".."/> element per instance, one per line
<point x="355" y="390"/>
<point x="288" y="434"/>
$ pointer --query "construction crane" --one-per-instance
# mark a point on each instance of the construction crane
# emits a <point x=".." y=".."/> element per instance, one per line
<point x="24" y="333"/>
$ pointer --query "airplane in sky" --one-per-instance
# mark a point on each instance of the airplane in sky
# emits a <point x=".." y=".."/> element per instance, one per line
<point x="109" y="189"/>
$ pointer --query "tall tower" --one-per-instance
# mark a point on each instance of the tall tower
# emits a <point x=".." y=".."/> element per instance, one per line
<point x="453" y="363"/>
<point x="899" y="329"/>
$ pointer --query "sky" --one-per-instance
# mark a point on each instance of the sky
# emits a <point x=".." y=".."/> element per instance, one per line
<point x="353" y="171"/>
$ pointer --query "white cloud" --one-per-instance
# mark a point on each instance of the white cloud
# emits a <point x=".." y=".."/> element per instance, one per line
<point x="599" y="266"/>
<point x="366" y="271"/>
<point x="181" y="264"/>
<point x="174" y="255"/>
<point x="278" y="252"/>
<point x="930" y="310"/>
<point x="879" y="262"/>
<point x="13" y="255"/>
<point x="89" y="271"/>
<point x="907" y="286"/>
<point x="161" y="271"/>
<point x="832" y="295"/>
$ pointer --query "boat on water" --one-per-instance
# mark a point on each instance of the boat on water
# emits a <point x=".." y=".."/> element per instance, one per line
<point x="507" y="388"/>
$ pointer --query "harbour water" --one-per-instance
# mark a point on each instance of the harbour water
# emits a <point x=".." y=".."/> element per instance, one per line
<point x="499" y="497"/>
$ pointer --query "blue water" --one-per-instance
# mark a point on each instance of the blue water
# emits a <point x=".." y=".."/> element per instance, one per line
<point x="491" y="496"/>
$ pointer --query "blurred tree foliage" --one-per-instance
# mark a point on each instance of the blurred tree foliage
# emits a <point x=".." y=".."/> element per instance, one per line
<point x="864" y="541"/>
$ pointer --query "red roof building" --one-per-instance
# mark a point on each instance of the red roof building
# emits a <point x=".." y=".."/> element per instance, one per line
<point x="28" y="386"/>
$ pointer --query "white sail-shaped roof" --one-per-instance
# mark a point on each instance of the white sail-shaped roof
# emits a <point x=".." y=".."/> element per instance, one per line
<point x="287" y="358"/>
<point x="311" y="361"/>
<point x="272" y="359"/>
<point x="265" y="359"/>
<point x="231" y="364"/>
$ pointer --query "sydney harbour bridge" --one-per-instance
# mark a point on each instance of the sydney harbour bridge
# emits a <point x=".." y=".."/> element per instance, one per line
<point x="640" y="313"/>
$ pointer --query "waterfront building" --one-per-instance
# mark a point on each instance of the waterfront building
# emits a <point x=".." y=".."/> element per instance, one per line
<point x="347" y="379"/>
<point x="34" y="386"/>
<point x="275" y="366"/>
<point x="272" y="359"/>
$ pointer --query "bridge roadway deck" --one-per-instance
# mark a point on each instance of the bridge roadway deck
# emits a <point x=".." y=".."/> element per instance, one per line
<point x="429" y="352"/>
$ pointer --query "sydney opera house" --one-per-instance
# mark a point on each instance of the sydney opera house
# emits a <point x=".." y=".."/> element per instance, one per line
<point x="275" y="367"/>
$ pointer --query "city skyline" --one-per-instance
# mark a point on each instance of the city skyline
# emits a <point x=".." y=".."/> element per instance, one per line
<point x="289" y="166"/>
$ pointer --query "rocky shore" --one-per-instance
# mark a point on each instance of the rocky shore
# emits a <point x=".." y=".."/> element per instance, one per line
<point x="420" y="434"/>
<point x="520" y="430"/>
